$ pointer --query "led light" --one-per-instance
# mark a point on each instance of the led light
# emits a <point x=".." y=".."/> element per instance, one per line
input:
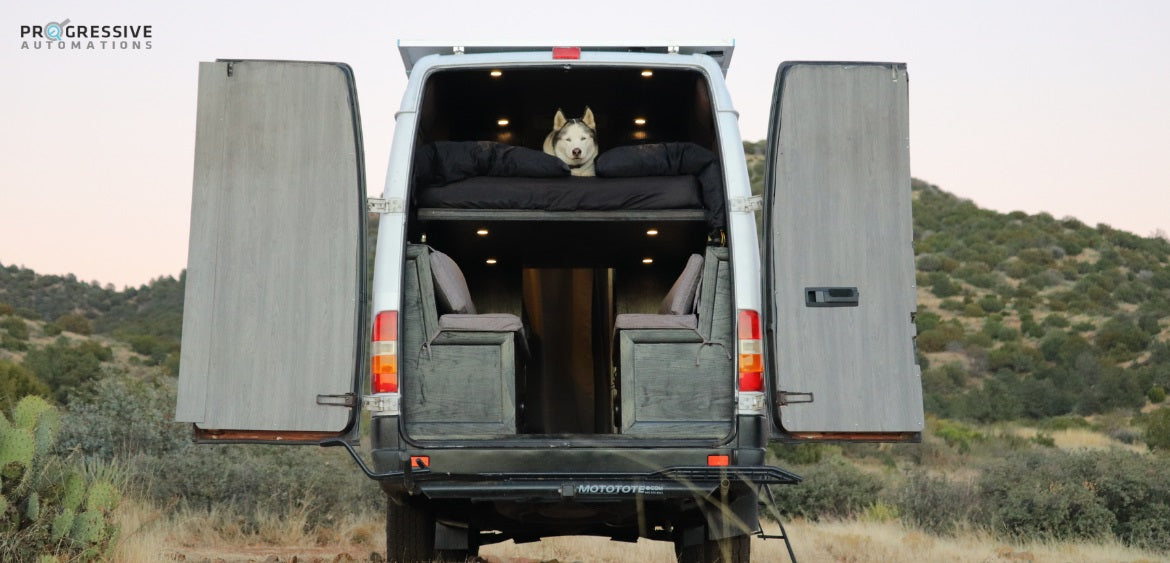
<point x="647" y="260"/>
<point x="496" y="73"/>
<point x="481" y="232"/>
<point x="639" y="121"/>
<point x="647" y="73"/>
<point x="490" y="261"/>
<point x="652" y="232"/>
<point x="502" y="122"/>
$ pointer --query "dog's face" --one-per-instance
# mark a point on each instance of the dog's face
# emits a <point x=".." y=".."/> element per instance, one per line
<point x="574" y="141"/>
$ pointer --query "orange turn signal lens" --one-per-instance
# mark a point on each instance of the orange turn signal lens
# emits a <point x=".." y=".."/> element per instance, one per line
<point x="718" y="460"/>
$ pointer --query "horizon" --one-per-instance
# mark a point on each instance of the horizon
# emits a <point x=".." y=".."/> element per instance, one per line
<point x="1052" y="107"/>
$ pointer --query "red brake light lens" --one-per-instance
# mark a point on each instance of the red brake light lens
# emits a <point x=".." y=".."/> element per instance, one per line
<point x="384" y="353"/>
<point x="566" y="53"/>
<point x="751" y="352"/>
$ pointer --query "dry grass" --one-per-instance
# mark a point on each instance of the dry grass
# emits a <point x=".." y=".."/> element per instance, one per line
<point x="153" y="534"/>
<point x="1081" y="439"/>
<point x="848" y="541"/>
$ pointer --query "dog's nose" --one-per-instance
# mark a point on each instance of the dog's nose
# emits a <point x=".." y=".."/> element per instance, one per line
<point x="576" y="152"/>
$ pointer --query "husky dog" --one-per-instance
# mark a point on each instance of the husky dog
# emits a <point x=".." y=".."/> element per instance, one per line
<point x="574" y="141"/>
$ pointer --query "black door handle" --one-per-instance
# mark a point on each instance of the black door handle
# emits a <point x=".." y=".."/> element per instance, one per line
<point x="831" y="296"/>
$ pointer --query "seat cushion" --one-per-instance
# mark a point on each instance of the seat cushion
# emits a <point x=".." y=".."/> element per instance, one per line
<point x="489" y="322"/>
<point x="631" y="321"/>
<point x="680" y="300"/>
<point x="451" y="291"/>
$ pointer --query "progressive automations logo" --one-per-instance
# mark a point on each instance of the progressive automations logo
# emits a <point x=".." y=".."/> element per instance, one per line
<point x="63" y="36"/>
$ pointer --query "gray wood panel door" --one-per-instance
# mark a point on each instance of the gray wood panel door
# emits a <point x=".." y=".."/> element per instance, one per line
<point x="272" y="316"/>
<point x="840" y="270"/>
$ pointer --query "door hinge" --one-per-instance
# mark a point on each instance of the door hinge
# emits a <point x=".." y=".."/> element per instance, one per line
<point x="750" y="203"/>
<point x="784" y="398"/>
<point x="347" y="400"/>
<point x="379" y="205"/>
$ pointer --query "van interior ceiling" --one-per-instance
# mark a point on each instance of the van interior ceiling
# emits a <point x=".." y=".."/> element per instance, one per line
<point x="566" y="277"/>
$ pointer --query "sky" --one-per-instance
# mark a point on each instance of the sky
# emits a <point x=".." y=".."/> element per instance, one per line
<point x="1054" y="106"/>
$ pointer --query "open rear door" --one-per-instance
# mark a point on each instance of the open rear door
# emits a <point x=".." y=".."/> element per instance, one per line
<point x="273" y="317"/>
<point x="840" y="271"/>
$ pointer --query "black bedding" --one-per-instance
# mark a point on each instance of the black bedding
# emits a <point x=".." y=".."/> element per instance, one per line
<point x="487" y="175"/>
<point x="573" y="193"/>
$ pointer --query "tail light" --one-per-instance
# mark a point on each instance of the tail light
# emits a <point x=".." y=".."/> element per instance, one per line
<point x="566" y="52"/>
<point x="751" y="352"/>
<point x="384" y="353"/>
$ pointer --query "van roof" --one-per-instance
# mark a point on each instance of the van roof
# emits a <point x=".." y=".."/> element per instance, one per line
<point x="412" y="51"/>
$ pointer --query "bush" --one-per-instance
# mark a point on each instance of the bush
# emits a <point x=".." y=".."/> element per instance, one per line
<point x="15" y="327"/>
<point x="935" y="504"/>
<point x="123" y="415"/>
<point x="1034" y="496"/>
<point x="1156" y="394"/>
<point x="65" y="368"/>
<point x="16" y="382"/>
<point x="74" y="323"/>
<point x="1158" y="430"/>
<point x="831" y="489"/>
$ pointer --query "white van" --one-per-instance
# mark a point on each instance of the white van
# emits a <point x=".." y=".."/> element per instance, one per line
<point x="542" y="354"/>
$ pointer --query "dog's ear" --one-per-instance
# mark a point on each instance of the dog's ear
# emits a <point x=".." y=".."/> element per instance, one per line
<point x="559" y="120"/>
<point x="588" y="118"/>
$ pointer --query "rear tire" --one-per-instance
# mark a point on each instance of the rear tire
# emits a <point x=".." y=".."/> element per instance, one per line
<point x="410" y="531"/>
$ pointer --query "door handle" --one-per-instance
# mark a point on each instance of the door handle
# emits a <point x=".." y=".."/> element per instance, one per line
<point x="831" y="297"/>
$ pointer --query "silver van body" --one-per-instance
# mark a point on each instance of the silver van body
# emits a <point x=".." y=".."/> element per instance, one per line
<point x="572" y="407"/>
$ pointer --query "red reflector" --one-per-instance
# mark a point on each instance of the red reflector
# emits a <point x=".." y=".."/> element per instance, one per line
<point x="718" y="460"/>
<point x="566" y="52"/>
<point x="386" y="326"/>
<point x="751" y="381"/>
<point x="420" y="461"/>
<point x="749" y="324"/>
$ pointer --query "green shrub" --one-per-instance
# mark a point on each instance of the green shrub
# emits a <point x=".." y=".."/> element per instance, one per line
<point x="1156" y="394"/>
<point x="15" y="327"/>
<point x="66" y="368"/>
<point x="1157" y="425"/>
<point x="16" y="382"/>
<point x="831" y="489"/>
<point x="957" y="435"/>
<point x="935" y="504"/>
<point x="942" y="286"/>
<point x="74" y="323"/>
<point x="123" y="415"/>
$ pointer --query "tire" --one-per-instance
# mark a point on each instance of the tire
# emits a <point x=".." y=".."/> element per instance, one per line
<point x="410" y="531"/>
<point x="736" y="549"/>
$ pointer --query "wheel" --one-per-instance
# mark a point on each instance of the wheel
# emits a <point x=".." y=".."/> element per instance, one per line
<point x="410" y="531"/>
<point x="736" y="549"/>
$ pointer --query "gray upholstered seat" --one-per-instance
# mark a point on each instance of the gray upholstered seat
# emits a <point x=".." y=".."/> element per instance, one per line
<point x="457" y="311"/>
<point x="678" y="309"/>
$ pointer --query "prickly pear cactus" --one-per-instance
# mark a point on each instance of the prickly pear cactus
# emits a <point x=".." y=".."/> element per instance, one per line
<point x="48" y="502"/>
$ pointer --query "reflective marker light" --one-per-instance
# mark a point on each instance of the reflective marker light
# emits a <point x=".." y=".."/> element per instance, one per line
<point x="718" y="460"/>
<point x="751" y="353"/>
<point x="384" y="353"/>
<point x="566" y="52"/>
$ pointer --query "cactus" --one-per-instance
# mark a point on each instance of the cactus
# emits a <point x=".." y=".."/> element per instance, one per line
<point x="28" y="410"/>
<point x="17" y="447"/>
<point x="74" y="492"/>
<point x="32" y="506"/>
<point x="61" y="513"/>
<point x="63" y="523"/>
<point x="103" y="496"/>
<point x="88" y="527"/>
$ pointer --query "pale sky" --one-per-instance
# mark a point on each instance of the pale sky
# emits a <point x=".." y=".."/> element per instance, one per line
<point x="1058" y="106"/>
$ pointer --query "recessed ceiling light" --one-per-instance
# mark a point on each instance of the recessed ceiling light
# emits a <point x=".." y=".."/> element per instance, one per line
<point x="502" y="122"/>
<point x="490" y="261"/>
<point x="481" y="232"/>
<point x="652" y="232"/>
<point x="497" y="73"/>
<point x="647" y="73"/>
<point x="639" y="121"/>
<point x="647" y="260"/>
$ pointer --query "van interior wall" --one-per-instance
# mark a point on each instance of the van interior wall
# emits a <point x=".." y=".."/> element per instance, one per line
<point x="466" y="105"/>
